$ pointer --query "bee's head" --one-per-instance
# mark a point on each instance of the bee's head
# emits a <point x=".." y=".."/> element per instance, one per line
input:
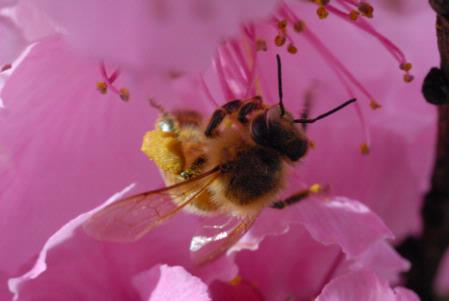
<point x="277" y="131"/>
<point x="276" y="128"/>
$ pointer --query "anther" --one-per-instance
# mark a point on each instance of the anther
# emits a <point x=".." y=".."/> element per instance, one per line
<point x="299" y="26"/>
<point x="292" y="48"/>
<point x="406" y="66"/>
<point x="261" y="45"/>
<point x="124" y="94"/>
<point x="236" y="280"/>
<point x="322" y="12"/>
<point x="282" y="25"/>
<point x="408" y="78"/>
<point x="366" y="9"/>
<point x="364" y="149"/>
<point x="374" y="104"/>
<point x="311" y="144"/>
<point x="279" y="40"/>
<point x="321" y="2"/>
<point x="354" y="15"/>
<point x="315" y="188"/>
<point x="102" y="87"/>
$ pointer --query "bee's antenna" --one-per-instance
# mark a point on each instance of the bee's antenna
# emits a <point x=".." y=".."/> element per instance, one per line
<point x="281" y="103"/>
<point x="312" y="120"/>
<point x="156" y="105"/>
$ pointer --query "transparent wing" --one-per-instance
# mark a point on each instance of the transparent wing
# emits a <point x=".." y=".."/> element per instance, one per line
<point x="216" y="239"/>
<point x="130" y="218"/>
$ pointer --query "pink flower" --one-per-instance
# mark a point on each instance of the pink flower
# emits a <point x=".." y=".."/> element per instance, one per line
<point x="65" y="148"/>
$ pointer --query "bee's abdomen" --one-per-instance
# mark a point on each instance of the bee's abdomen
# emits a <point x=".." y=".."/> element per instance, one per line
<point x="256" y="171"/>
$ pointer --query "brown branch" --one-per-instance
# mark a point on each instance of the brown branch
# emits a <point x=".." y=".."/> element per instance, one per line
<point x="426" y="251"/>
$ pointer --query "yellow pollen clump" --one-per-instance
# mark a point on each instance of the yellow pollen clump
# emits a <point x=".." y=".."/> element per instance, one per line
<point x="366" y="9"/>
<point x="102" y="87"/>
<point x="292" y="49"/>
<point x="315" y="188"/>
<point x="124" y="94"/>
<point x="364" y="149"/>
<point x="354" y="15"/>
<point x="261" y="45"/>
<point x="406" y="66"/>
<point x="279" y="40"/>
<point x="282" y="24"/>
<point x="374" y="104"/>
<point x="408" y="78"/>
<point x="322" y="12"/>
<point x="236" y="280"/>
<point x="164" y="150"/>
<point x="299" y="26"/>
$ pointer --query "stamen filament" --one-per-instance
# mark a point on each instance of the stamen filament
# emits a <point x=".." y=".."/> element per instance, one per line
<point x="218" y="66"/>
<point x="206" y="91"/>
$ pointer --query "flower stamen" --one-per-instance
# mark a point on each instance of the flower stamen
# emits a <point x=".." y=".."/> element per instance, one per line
<point x="107" y="83"/>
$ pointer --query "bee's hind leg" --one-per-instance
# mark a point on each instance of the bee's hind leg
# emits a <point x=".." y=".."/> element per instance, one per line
<point x="299" y="196"/>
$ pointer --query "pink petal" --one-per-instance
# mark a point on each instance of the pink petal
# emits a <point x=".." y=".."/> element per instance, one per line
<point x="363" y="286"/>
<point x="12" y="43"/>
<point x="64" y="146"/>
<point x="164" y="283"/>
<point x="329" y="221"/>
<point x="382" y="259"/>
<point x="159" y="36"/>
<point x="292" y="264"/>
<point x="64" y="233"/>
<point x="4" y="3"/>
<point x="115" y="264"/>
<point x="332" y="222"/>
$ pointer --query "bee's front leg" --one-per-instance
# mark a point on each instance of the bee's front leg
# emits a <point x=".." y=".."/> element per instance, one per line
<point x="299" y="196"/>
<point x="251" y="105"/>
<point x="218" y="116"/>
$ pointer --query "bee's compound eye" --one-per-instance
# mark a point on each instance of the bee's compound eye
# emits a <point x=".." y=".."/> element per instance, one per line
<point x="166" y="125"/>
<point x="259" y="131"/>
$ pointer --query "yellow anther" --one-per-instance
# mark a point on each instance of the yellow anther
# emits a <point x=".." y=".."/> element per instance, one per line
<point x="321" y="2"/>
<point x="374" y="104"/>
<point x="322" y="12"/>
<point x="366" y="9"/>
<point x="364" y="149"/>
<point x="102" y="87"/>
<point x="354" y="15"/>
<point x="406" y="66"/>
<point x="315" y="188"/>
<point x="299" y="26"/>
<point x="279" y="40"/>
<point x="236" y="281"/>
<point x="408" y="78"/>
<point x="292" y="49"/>
<point x="282" y="24"/>
<point x="261" y="45"/>
<point x="124" y="94"/>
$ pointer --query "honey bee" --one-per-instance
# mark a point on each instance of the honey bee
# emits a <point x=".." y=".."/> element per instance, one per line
<point x="229" y="168"/>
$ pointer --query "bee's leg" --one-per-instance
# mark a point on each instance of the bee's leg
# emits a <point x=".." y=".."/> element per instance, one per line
<point x="298" y="196"/>
<point x="253" y="104"/>
<point x="218" y="116"/>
